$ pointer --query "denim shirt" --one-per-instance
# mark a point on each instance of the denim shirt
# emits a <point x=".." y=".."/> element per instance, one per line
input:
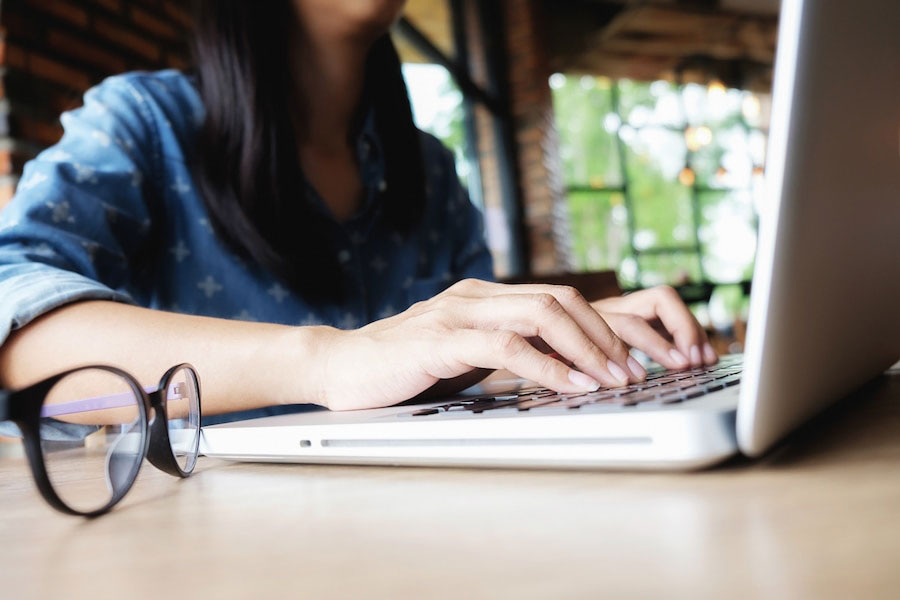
<point x="112" y="212"/>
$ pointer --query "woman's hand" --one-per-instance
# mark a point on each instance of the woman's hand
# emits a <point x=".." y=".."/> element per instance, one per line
<point x="473" y="324"/>
<point x="651" y="320"/>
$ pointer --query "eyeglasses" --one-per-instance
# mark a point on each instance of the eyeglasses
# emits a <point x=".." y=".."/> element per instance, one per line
<point x="86" y="432"/>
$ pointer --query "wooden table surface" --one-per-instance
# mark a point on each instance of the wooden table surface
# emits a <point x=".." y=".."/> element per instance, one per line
<point x="817" y="518"/>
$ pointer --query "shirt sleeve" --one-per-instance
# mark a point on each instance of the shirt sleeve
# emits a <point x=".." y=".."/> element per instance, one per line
<point x="79" y="216"/>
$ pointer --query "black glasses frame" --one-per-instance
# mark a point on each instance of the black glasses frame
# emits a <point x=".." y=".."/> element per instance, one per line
<point x="23" y="407"/>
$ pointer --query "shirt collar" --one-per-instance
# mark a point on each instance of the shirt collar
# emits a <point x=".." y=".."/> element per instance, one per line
<point x="372" y="171"/>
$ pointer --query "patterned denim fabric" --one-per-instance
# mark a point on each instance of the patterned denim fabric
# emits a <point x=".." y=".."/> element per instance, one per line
<point x="112" y="212"/>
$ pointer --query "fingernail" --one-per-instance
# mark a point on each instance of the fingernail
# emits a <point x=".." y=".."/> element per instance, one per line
<point x="585" y="382"/>
<point x="695" y="356"/>
<point x="710" y="354"/>
<point x="617" y="371"/>
<point x="678" y="357"/>
<point x="635" y="367"/>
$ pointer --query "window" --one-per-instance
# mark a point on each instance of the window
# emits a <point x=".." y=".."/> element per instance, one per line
<point x="437" y="106"/>
<point x="436" y="100"/>
<point x="661" y="178"/>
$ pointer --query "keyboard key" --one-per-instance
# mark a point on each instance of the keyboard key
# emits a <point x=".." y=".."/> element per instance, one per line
<point x="490" y="404"/>
<point x="681" y="376"/>
<point x="425" y="411"/>
<point x="730" y="380"/>
<point x="622" y="391"/>
<point x="572" y="403"/>
<point x="661" y="386"/>
<point x="638" y="398"/>
<point x="605" y="401"/>
<point x="600" y="396"/>
<point x="536" y="402"/>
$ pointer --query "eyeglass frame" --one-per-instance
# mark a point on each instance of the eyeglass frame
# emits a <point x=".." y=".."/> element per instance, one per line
<point x="24" y="408"/>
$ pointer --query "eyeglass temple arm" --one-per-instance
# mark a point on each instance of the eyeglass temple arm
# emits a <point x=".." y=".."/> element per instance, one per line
<point x="176" y="392"/>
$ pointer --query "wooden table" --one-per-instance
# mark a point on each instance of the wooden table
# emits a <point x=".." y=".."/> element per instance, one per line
<point x="818" y="518"/>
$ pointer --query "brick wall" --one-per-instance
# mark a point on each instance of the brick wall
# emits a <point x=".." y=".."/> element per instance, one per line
<point x="52" y="51"/>
<point x="541" y="181"/>
<point x="540" y="184"/>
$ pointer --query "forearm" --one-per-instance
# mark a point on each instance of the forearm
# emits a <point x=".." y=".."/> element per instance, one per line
<point x="241" y="365"/>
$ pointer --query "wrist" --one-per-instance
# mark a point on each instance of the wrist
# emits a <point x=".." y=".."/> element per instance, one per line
<point x="299" y="359"/>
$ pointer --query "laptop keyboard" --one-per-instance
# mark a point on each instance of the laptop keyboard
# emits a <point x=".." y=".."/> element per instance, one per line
<point x="661" y="388"/>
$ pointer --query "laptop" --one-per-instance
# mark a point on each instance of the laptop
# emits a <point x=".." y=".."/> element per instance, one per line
<point x="824" y="309"/>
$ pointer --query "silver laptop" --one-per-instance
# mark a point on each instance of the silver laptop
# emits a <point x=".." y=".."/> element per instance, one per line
<point x="824" y="312"/>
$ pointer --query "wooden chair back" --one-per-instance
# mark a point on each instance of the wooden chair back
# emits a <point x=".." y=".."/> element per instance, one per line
<point x="593" y="286"/>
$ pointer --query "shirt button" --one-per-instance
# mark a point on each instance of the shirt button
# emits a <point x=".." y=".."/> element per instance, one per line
<point x="344" y="256"/>
<point x="382" y="185"/>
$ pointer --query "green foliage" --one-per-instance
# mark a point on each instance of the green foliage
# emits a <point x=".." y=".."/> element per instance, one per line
<point x="589" y="153"/>
<point x="455" y="136"/>
<point x="622" y="148"/>
<point x="599" y="231"/>
<point x="600" y="121"/>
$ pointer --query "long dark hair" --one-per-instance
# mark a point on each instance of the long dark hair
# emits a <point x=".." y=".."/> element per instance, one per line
<point x="247" y="165"/>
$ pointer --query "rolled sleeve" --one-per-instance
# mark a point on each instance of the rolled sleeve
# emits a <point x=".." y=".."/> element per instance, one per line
<point x="79" y="216"/>
<point x="32" y="289"/>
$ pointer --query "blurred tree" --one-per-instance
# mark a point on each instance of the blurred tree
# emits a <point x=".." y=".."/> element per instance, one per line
<point x="599" y="122"/>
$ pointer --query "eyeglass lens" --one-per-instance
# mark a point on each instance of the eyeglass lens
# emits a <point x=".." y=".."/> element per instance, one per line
<point x="92" y="437"/>
<point x="183" y="408"/>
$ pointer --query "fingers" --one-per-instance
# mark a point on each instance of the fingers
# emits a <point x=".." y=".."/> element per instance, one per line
<point x="689" y="336"/>
<point x="509" y="350"/>
<point x="580" y="311"/>
<point x="663" y="303"/>
<point x="691" y="345"/>
<point x="638" y="333"/>
<point x="541" y="315"/>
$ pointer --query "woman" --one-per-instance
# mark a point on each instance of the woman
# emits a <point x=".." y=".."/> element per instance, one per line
<point x="279" y="222"/>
